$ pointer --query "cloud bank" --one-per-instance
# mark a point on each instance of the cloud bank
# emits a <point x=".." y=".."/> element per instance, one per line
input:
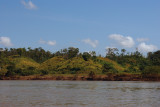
<point x="5" y="41"/>
<point x="126" y="42"/>
<point x="51" y="43"/>
<point x="29" y="5"/>
<point x="143" y="47"/>
<point x="90" y="42"/>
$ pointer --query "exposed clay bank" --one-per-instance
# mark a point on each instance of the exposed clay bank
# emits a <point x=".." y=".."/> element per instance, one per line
<point x="111" y="77"/>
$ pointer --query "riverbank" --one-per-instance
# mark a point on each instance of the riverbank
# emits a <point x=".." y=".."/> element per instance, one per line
<point x="109" y="77"/>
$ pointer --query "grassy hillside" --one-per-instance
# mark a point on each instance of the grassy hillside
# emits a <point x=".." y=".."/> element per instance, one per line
<point x="21" y="66"/>
<point x="75" y="65"/>
<point x="113" y="63"/>
<point x="25" y="62"/>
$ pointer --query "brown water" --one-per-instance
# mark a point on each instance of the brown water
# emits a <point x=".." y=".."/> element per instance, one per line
<point x="79" y="94"/>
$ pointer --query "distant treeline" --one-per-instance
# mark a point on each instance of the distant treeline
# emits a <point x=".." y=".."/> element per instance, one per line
<point x="22" y="61"/>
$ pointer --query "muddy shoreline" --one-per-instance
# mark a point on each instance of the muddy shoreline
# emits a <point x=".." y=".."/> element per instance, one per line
<point x="87" y="78"/>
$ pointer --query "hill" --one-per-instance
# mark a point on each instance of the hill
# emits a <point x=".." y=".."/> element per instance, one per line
<point x="70" y="66"/>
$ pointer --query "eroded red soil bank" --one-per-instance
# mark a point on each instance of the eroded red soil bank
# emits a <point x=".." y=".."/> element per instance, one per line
<point x="112" y="77"/>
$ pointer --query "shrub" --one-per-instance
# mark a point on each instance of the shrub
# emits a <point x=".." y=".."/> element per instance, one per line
<point x="27" y="72"/>
<point x="107" y="67"/>
<point x="44" y="72"/>
<point x="2" y="72"/>
<point x="151" y="70"/>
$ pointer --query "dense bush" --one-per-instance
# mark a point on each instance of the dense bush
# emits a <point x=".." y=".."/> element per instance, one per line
<point x="151" y="70"/>
<point x="107" y="67"/>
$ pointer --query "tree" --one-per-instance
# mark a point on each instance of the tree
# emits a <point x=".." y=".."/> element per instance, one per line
<point x="111" y="52"/>
<point x="92" y="53"/>
<point x="72" y="52"/>
<point x="123" y="52"/>
<point x="86" y="56"/>
<point x="107" y="67"/>
<point x="154" y="57"/>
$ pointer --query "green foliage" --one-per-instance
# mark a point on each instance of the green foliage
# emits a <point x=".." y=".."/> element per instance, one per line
<point x="37" y="54"/>
<point x="107" y="67"/>
<point x="72" y="52"/>
<point x="151" y="70"/>
<point x="70" y="66"/>
<point x="10" y="70"/>
<point x="154" y="58"/>
<point x="86" y="56"/>
<point x="114" y="64"/>
<point x="29" y="61"/>
<point x="133" y="69"/>
<point x="3" y="72"/>
<point x="20" y="66"/>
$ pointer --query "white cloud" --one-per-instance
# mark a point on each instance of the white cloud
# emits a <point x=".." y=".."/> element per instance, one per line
<point x="29" y="5"/>
<point x="142" y="39"/>
<point x="5" y="41"/>
<point x="127" y="42"/>
<point x="146" y="48"/>
<point x="90" y="42"/>
<point x="52" y="43"/>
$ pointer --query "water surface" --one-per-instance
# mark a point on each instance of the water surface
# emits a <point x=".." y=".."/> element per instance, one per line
<point x="79" y="94"/>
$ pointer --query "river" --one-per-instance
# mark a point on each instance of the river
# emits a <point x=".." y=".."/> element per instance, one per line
<point x="43" y="93"/>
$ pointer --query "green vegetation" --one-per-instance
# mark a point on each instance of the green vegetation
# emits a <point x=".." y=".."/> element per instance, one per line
<point x="25" y="62"/>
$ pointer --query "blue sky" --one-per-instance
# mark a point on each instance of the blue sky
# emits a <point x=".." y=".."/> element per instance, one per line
<point x="86" y="24"/>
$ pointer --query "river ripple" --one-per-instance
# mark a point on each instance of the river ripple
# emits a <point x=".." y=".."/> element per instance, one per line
<point x="79" y="94"/>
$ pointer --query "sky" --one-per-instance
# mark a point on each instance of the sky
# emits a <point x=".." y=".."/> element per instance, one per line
<point x="90" y="25"/>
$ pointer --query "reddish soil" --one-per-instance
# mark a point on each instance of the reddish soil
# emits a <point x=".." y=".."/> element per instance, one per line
<point x="109" y="77"/>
